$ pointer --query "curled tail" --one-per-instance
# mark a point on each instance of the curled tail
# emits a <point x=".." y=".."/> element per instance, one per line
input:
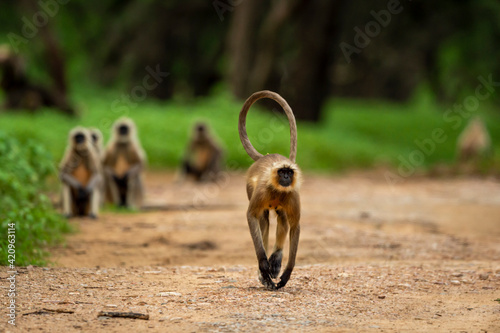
<point x="251" y="151"/>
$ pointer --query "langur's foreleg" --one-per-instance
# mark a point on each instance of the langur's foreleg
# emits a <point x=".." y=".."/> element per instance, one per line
<point x="281" y="232"/>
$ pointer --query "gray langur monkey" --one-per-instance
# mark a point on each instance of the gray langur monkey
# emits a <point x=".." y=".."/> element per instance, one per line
<point x="97" y="143"/>
<point x="474" y="142"/>
<point x="123" y="163"/>
<point x="80" y="173"/>
<point x="203" y="157"/>
<point x="273" y="183"/>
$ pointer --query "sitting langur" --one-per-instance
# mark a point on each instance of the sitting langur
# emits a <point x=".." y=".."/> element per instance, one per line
<point x="96" y="136"/>
<point x="123" y="165"/>
<point x="474" y="142"/>
<point x="203" y="157"/>
<point x="80" y="176"/>
<point x="273" y="182"/>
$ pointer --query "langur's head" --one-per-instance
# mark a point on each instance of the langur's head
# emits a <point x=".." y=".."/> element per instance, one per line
<point x="200" y="127"/>
<point x="285" y="176"/>
<point x="5" y="53"/>
<point x="200" y="130"/>
<point x="96" y="136"/>
<point x="79" y="139"/>
<point x="124" y="130"/>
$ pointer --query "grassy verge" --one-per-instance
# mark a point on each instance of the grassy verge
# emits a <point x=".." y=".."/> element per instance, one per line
<point x="28" y="222"/>
<point x="353" y="134"/>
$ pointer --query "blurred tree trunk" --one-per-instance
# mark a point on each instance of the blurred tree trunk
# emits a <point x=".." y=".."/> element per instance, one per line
<point x="268" y="43"/>
<point x="242" y="45"/>
<point x="57" y="69"/>
<point x="307" y="87"/>
<point x="57" y="95"/>
<point x="180" y="38"/>
<point x="292" y="36"/>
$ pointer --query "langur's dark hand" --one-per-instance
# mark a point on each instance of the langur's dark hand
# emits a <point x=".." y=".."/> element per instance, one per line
<point x="88" y="189"/>
<point x="82" y="192"/>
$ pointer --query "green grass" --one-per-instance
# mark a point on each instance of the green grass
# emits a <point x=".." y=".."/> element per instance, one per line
<point x="28" y="222"/>
<point x="353" y="134"/>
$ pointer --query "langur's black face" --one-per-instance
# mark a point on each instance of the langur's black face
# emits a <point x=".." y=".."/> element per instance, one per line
<point x="285" y="177"/>
<point x="123" y="130"/>
<point x="200" y="131"/>
<point x="79" y="138"/>
<point x="200" y="128"/>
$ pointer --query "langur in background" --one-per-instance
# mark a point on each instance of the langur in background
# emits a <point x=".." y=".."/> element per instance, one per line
<point x="80" y="173"/>
<point x="474" y="142"/>
<point x="203" y="158"/>
<point x="97" y="143"/>
<point x="123" y="165"/>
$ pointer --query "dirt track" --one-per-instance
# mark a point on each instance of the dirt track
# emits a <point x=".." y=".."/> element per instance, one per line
<point x="421" y="256"/>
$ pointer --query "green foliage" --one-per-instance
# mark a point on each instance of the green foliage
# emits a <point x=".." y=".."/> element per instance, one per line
<point x="23" y="170"/>
<point x="471" y="50"/>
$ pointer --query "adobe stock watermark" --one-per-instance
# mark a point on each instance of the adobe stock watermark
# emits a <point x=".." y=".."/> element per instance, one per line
<point x="31" y="26"/>
<point x="221" y="7"/>
<point x="122" y="106"/>
<point x="12" y="272"/>
<point x="372" y="29"/>
<point x="203" y="195"/>
<point x="455" y="115"/>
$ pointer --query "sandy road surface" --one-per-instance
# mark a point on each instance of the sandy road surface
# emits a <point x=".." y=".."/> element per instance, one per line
<point x="419" y="256"/>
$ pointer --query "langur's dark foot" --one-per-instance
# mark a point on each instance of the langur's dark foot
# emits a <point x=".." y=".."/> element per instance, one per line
<point x="268" y="283"/>
<point x="275" y="263"/>
<point x="82" y="194"/>
<point x="264" y="276"/>
<point x="284" y="278"/>
<point x="123" y="200"/>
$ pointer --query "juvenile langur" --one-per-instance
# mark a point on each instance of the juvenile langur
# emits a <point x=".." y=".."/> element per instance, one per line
<point x="474" y="142"/>
<point x="96" y="136"/>
<point x="80" y="175"/>
<point x="203" y="156"/>
<point x="273" y="182"/>
<point x="123" y="164"/>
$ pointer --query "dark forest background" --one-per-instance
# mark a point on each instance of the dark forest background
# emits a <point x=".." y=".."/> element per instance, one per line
<point x="368" y="81"/>
<point x="290" y="46"/>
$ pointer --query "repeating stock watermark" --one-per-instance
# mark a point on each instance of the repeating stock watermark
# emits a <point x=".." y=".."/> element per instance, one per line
<point x="371" y="30"/>
<point x="203" y="195"/>
<point x="455" y="116"/>
<point x="221" y="7"/>
<point x="127" y="102"/>
<point x="31" y="26"/>
<point x="11" y="273"/>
